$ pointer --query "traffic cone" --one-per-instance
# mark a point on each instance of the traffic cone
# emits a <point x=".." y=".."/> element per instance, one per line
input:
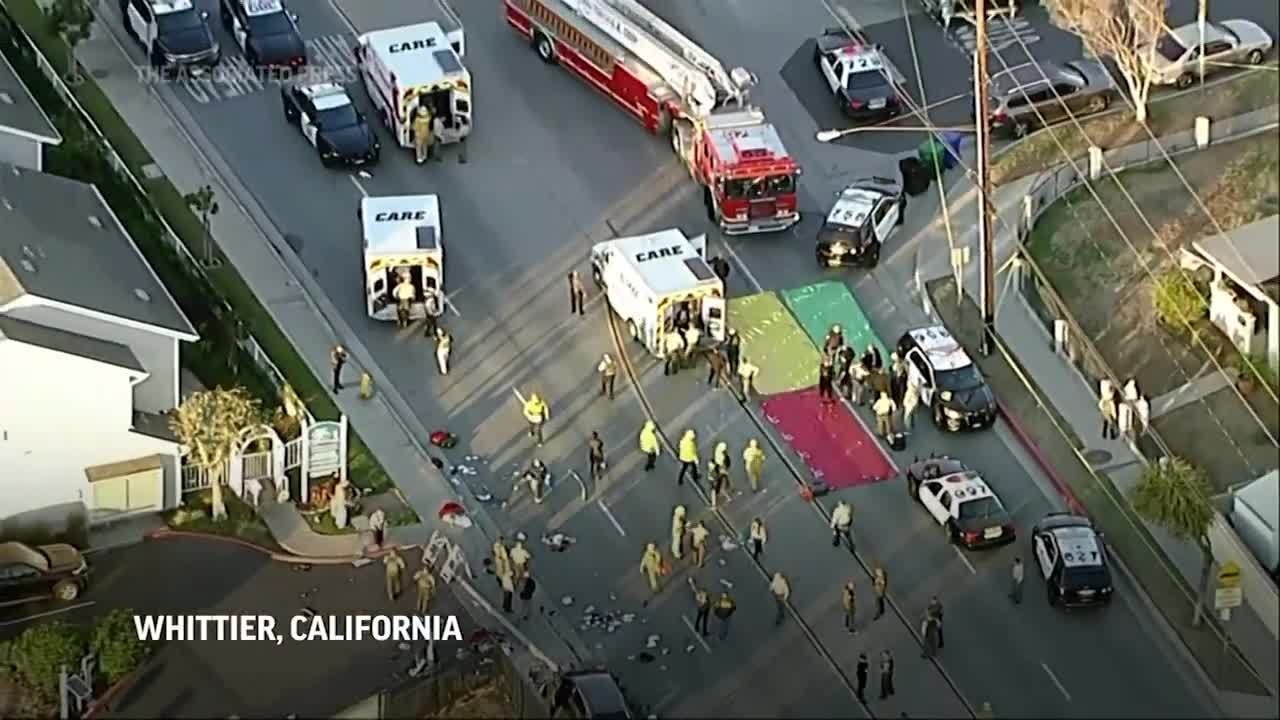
<point x="806" y="493"/>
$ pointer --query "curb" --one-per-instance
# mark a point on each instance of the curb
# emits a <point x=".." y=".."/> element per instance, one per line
<point x="287" y="557"/>
<point x="103" y="703"/>
<point x="1037" y="454"/>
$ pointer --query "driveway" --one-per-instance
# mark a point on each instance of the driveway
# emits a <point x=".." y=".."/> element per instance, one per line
<point x="248" y="679"/>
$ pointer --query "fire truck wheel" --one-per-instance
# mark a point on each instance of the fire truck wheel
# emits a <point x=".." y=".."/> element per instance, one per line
<point x="544" y="47"/>
<point x="710" y="201"/>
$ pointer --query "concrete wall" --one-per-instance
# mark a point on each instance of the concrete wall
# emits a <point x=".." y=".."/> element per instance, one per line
<point x="20" y="151"/>
<point x="60" y="415"/>
<point x="156" y="352"/>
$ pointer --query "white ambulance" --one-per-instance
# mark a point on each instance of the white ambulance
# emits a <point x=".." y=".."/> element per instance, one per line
<point x="648" y="277"/>
<point x="406" y="67"/>
<point x="403" y="240"/>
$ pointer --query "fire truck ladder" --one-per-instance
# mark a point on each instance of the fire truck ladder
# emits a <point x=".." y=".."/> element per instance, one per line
<point x="700" y="79"/>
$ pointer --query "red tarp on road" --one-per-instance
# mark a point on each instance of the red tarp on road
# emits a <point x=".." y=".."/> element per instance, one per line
<point x="833" y="443"/>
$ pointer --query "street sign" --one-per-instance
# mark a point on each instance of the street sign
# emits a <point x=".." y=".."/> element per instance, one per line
<point x="1229" y="575"/>
<point x="1226" y="598"/>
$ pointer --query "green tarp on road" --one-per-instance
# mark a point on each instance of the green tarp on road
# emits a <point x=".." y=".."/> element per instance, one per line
<point x="824" y="304"/>
<point x="772" y="340"/>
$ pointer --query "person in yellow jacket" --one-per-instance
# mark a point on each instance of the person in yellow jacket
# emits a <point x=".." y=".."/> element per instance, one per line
<point x="688" y="457"/>
<point x="424" y="139"/>
<point x="679" y="525"/>
<point x="753" y="461"/>
<point x="536" y="414"/>
<point x="649" y="445"/>
<point x="651" y="566"/>
<point x="501" y="557"/>
<point x="519" y="558"/>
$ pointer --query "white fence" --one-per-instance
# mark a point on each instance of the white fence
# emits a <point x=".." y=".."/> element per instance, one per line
<point x="249" y="344"/>
<point x="253" y="466"/>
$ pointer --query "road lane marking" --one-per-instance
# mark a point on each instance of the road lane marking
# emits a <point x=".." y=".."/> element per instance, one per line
<point x="49" y="613"/>
<point x="746" y="271"/>
<point x="964" y="560"/>
<point x="356" y="182"/>
<point x="452" y="308"/>
<point x="519" y="397"/>
<point x="1056" y="682"/>
<point x="609" y="514"/>
<point x="701" y="640"/>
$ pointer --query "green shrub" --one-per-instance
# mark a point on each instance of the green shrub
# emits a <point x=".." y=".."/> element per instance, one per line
<point x="1178" y="304"/>
<point x="40" y="651"/>
<point x="1250" y="367"/>
<point x="116" y="643"/>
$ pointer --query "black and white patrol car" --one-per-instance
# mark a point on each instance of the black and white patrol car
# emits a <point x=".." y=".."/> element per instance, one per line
<point x="951" y="385"/>
<point x="175" y="35"/>
<point x="266" y="32"/>
<point x="331" y="123"/>
<point x="865" y="215"/>
<point x="961" y="502"/>
<point x="864" y="83"/>
<point x="1072" y="560"/>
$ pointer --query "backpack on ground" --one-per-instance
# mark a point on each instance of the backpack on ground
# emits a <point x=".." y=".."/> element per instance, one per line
<point x="443" y="439"/>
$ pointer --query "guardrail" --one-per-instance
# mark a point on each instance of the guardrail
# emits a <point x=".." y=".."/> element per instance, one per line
<point x="248" y="343"/>
<point x="1050" y="186"/>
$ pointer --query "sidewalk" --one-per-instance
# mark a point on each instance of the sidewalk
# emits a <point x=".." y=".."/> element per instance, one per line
<point x="1076" y="401"/>
<point x="306" y="317"/>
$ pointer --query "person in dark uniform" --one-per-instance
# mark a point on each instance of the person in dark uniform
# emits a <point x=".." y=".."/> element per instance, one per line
<point x="860" y="676"/>
<point x="733" y="351"/>
<point x="886" y="674"/>
<point x="577" y="295"/>
<point x="682" y="317"/>
<point x="560" y="699"/>
<point x="826" y="378"/>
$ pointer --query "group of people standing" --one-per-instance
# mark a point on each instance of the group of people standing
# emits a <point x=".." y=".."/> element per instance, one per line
<point x="865" y="380"/>
<point x="1126" y="413"/>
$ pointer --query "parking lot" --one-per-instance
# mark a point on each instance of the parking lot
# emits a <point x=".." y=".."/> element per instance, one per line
<point x="936" y="65"/>
<point x="249" y="679"/>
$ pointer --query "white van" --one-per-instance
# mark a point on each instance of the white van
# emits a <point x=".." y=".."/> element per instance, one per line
<point x="404" y="68"/>
<point x="403" y="237"/>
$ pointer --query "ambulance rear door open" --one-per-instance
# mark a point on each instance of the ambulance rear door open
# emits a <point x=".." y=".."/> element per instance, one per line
<point x="714" y="314"/>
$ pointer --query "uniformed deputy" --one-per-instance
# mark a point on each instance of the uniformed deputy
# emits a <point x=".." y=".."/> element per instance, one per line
<point x="649" y="445"/>
<point x="691" y="337"/>
<point x="672" y="350"/>
<point x="424" y="141"/>
<point x="426" y="583"/>
<point x="702" y="601"/>
<point x="433" y="306"/>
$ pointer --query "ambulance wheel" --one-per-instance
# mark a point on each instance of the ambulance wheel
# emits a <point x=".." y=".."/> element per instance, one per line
<point x="902" y="210"/>
<point x="597" y="278"/>
<point x="544" y="47"/>
<point x="633" y="331"/>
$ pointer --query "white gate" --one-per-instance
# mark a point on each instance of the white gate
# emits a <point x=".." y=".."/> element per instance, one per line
<point x="320" y="451"/>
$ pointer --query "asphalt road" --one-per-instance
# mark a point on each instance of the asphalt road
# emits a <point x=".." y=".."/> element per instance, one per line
<point x="259" y="679"/>
<point x="543" y="178"/>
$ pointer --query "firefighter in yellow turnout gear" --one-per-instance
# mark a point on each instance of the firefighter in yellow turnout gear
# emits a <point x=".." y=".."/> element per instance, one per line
<point x="424" y="139"/>
<point x="536" y="413"/>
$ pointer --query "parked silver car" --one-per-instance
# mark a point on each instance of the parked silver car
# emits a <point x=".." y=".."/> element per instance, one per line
<point x="1176" y="60"/>
<point x="1028" y="96"/>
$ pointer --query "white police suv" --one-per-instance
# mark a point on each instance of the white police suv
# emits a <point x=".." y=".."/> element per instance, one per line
<point x="174" y="34"/>
<point x="950" y="384"/>
<point x="1072" y="560"/>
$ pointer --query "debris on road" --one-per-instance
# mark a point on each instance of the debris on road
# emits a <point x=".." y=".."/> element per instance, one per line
<point x="558" y="542"/>
<point x="567" y="600"/>
<point x="727" y="585"/>
<point x="652" y="641"/>
<point x="728" y="544"/>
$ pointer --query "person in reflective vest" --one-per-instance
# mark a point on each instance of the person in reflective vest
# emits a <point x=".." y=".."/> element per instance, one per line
<point x="649" y="445"/>
<point x="536" y="413"/>
<point x="424" y="141"/>
<point x="433" y="307"/>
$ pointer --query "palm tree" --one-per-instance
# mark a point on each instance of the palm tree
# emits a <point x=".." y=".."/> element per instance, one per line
<point x="205" y="205"/>
<point x="1174" y="494"/>
<point x="72" y="20"/>
<point x="210" y="423"/>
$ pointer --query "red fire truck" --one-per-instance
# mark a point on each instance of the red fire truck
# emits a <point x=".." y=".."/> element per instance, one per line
<point x="673" y="86"/>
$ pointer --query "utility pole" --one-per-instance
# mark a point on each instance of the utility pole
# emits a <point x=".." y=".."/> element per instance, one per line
<point x="985" y="233"/>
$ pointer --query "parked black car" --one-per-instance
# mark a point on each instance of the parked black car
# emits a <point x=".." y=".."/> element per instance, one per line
<point x="39" y="572"/>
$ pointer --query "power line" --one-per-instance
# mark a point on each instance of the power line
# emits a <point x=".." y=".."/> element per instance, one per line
<point x="1053" y="134"/>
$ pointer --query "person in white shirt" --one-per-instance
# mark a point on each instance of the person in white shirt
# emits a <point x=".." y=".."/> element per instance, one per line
<point x="842" y="523"/>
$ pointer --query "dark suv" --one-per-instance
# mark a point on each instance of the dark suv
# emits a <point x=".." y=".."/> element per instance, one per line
<point x="592" y="694"/>
<point x="1031" y="95"/>
<point x="35" y="573"/>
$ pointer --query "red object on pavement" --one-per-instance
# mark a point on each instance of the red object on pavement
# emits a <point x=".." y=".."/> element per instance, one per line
<point x="838" y="448"/>
<point x="450" y="508"/>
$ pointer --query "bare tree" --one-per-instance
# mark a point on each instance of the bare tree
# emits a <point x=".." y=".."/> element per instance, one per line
<point x="72" y="20"/>
<point x="1125" y="31"/>
<point x="210" y="423"/>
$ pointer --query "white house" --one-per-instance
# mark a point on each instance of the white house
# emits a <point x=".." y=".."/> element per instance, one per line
<point x="1245" y="292"/>
<point x="24" y="128"/>
<point x="89" y="360"/>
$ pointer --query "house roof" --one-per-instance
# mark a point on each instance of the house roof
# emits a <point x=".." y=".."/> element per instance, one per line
<point x="19" y="112"/>
<point x="1249" y="252"/>
<point x="70" y="343"/>
<point x="61" y="242"/>
<point x="97" y="473"/>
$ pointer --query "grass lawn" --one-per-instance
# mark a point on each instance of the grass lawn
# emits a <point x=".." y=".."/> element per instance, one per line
<point x="1104" y="271"/>
<point x="1249" y="90"/>
<point x="196" y="515"/>
<point x="399" y="514"/>
<point x="1125" y="535"/>
<point x="169" y="203"/>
